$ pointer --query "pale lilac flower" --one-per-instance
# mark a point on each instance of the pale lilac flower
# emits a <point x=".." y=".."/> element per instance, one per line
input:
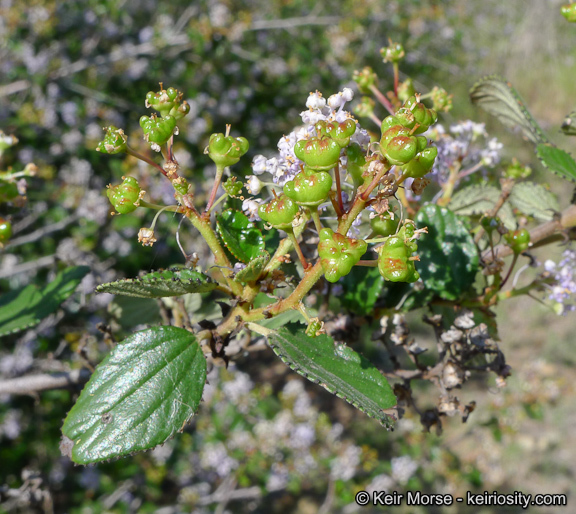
<point x="214" y="456"/>
<point x="250" y="208"/>
<point x="564" y="274"/>
<point x="259" y="164"/>
<point x="278" y="478"/>
<point x="254" y="185"/>
<point x="467" y="144"/>
<point x="403" y="468"/>
<point x="344" y="466"/>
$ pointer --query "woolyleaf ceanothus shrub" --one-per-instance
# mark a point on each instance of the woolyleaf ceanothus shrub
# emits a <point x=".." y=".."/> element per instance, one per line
<point x="352" y="223"/>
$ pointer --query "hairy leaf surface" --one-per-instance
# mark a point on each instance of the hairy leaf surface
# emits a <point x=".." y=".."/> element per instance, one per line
<point x="479" y="199"/>
<point x="140" y="395"/>
<point x="534" y="200"/>
<point x="448" y="256"/>
<point x="338" y="369"/>
<point x="557" y="160"/>
<point x="159" y="284"/>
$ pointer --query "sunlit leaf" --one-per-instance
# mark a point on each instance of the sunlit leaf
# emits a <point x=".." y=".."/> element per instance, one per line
<point x="497" y="97"/>
<point x="557" y="160"/>
<point x="337" y="368"/>
<point x="534" y="200"/>
<point x="240" y="235"/>
<point x="479" y="199"/>
<point x="159" y="284"/>
<point x="140" y="395"/>
<point x="448" y="256"/>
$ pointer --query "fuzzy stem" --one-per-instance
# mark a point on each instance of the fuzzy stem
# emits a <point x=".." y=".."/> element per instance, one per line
<point x="512" y="265"/>
<point x="450" y="185"/>
<point x="156" y="207"/>
<point x="203" y="226"/>
<point x="220" y="200"/>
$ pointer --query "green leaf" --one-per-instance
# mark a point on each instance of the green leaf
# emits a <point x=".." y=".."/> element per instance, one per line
<point x="497" y="97"/>
<point x="569" y="124"/>
<point x="557" y="161"/>
<point x="27" y="306"/>
<point x="140" y="395"/>
<point x="337" y="368"/>
<point x="448" y="256"/>
<point x="158" y="284"/>
<point x="130" y="312"/>
<point x="479" y="199"/>
<point x="253" y="270"/>
<point x="534" y="200"/>
<point x="362" y="286"/>
<point x="240" y="235"/>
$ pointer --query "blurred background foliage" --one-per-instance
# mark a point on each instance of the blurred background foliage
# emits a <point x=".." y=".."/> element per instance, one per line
<point x="263" y="441"/>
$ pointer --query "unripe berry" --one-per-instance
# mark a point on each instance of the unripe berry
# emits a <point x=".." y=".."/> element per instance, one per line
<point x="309" y="188"/>
<point x="279" y="212"/>
<point x="124" y="197"/>
<point x="5" y="230"/>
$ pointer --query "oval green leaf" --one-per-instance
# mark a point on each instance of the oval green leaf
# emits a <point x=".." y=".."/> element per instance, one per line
<point x="29" y="305"/>
<point x="497" y="97"/>
<point x="160" y="284"/>
<point x="558" y="161"/>
<point x="338" y="369"/>
<point x="534" y="200"/>
<point x="240" y="235"/>
<point x="140" y="395"/>
<point x="448" y="256"/>
<point x="253" y="270"/>
<point x="479" y="199"/>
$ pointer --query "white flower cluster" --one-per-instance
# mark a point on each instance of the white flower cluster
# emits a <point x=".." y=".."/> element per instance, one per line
<point x="286" y="165"/>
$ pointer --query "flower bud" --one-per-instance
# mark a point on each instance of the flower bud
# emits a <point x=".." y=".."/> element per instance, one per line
<point x="338" y="253"/>
<point x="518" y="241"/>
<point x="569" y="12"/>
<point x="168" y="102"/>
<point x="254" y="185"/>
<point x="157" y="131"/>
<point x="366" y="79"/>
<point x="394" y="52"/>
<point x="319" y="153"/>
<point x="441" y="100"/>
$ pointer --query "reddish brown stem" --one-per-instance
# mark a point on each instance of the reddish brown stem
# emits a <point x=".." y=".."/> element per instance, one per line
<point x="371" y="263"/>
<point x="303" y="260"/>
<point x="382" y="99"/>
<point x="339" y="212"/>
<point x="338" y="187"/>
<point x="217" y="179"/>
